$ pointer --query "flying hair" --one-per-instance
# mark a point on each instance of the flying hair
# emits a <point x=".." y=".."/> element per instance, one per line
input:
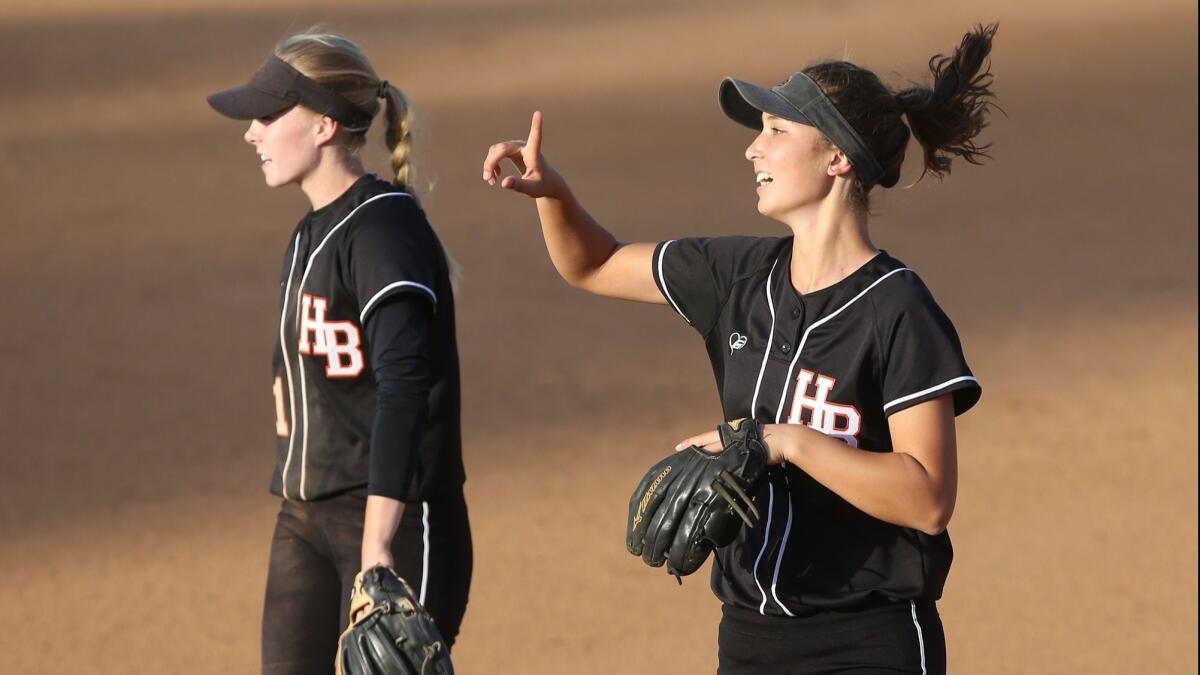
<point x="945" y="117"/>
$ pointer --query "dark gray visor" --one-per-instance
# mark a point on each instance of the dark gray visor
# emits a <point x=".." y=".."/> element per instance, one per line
<point x="800" y="100"/>
<point x="276" y="87"/>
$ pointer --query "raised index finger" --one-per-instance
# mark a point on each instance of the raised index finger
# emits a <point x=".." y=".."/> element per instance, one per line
<point x="535" y="134"/>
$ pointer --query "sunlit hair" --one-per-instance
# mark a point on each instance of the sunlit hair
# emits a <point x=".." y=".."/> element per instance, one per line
<point x="342" y="67"/>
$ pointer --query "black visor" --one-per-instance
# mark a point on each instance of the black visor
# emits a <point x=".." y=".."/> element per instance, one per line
<point x="275" y="88"/>
<point x="800" y="99"/>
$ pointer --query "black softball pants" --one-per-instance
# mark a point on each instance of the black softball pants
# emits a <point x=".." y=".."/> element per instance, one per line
<point x="315" y="555"/>
<point x="893" y="637"/>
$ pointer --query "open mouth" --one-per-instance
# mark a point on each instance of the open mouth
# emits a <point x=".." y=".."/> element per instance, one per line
<point x="762" y="178"/>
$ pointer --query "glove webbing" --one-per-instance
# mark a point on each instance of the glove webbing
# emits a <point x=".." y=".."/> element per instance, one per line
<point x="729" y="483"/>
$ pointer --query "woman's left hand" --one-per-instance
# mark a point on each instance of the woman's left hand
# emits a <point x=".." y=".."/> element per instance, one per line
<point x="774" y="438"/>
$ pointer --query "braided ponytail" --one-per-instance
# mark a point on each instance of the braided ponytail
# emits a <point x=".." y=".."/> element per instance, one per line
<point x="398" y="136"/>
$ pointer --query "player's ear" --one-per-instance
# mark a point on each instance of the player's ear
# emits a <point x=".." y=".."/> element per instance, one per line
<point x="839" y="164"/>
<point x="325" y="129"/>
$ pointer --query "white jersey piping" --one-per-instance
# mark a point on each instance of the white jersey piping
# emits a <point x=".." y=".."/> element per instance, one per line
<point x="920" y="634"/>
<point x="300" y="361"/>
<point x="787" y="530"/>
<point x="947" y="383"/>
<point x="287" y="365"/>
<point x="663" y="280"/>
<point x="762" y="607"/>
<point x="362" y="317"/>
<point x="770" y="340"/>
<point x="425" y="551"/>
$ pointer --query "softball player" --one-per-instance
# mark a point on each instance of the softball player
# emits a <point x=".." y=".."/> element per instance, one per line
<point x="366" y="382"/>
<point x="835" y="346"/>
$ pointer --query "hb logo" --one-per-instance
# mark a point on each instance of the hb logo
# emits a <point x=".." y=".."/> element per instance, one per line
<point x="338" y="341"/>
<point x="841" y="421"/>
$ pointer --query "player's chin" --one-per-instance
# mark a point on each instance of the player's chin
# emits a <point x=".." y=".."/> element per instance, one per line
<point x="272" y="178"/>
<point x="766" y="208"/>
<point x="768" y="204"/>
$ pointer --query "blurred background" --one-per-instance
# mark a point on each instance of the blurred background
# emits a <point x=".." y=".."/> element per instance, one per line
<point x="141" y="251"/>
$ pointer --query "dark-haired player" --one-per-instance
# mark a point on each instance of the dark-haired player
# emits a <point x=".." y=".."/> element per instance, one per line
<point x="836" y="347"/>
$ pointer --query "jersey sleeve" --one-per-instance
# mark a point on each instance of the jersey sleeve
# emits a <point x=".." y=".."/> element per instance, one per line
<point x="392" y="250"/>
<point x="695" y="274"/>
<point x="398" y="334"/>
<point x="922" y="355"/>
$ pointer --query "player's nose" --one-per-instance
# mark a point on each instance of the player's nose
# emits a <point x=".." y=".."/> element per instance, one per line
<point x="251" y="132"/>
<point x="752" y="152"/>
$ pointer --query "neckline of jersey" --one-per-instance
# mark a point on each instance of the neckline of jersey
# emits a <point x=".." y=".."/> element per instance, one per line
<point x="345" y="199"/>
<point x="880" y="263"/>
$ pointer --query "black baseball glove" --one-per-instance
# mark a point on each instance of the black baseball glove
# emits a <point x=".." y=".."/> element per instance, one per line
<point x="395" y="635"/>
<point x="693" y="501"/>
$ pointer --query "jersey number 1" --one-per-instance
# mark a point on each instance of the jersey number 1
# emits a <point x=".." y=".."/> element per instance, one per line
<point x="281" y="425"/>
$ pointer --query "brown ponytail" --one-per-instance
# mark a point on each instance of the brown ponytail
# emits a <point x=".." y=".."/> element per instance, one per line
<point x="947" y="117"/>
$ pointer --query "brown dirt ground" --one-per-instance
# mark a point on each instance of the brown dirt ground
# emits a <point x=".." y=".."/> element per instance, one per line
<point x="140" y="252"/>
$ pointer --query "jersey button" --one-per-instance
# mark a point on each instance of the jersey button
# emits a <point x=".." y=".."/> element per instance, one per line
<point x="795" y="312"/>
<point x="785" y="348"/>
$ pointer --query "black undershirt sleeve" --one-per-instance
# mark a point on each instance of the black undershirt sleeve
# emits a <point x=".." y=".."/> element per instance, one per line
<point x="398" y="335"/>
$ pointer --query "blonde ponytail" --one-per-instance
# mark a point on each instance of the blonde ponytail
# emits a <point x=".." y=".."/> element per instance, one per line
<point x="398" y="135"/>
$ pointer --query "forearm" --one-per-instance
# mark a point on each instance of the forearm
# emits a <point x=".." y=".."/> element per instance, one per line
<point x="379" y="525"/>
<point x="891" y="486"/>
<point x="577" y="244"/>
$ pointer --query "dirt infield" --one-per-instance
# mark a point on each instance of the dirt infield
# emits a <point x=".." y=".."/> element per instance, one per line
<point x="141" y="253"/>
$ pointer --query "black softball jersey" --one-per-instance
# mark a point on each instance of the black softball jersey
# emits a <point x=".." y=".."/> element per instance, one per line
<point x="366" y="384"/>
<point x="839" y="360"/>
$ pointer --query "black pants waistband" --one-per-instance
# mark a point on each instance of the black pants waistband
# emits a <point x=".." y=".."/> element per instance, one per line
<point x="750" y="620"/>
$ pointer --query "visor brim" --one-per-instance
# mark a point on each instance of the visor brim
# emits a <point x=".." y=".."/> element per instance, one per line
<point x="745" y="103"/>
<point x="247" y="103"/>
